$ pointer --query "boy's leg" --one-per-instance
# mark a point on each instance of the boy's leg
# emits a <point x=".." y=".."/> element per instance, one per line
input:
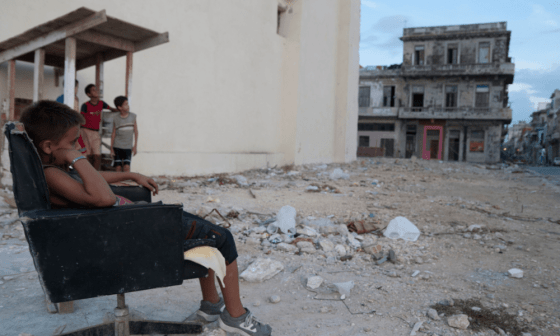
<point x="117" y="161"/>
<point x="127" y="157"/>
<point x="232" y="299"/>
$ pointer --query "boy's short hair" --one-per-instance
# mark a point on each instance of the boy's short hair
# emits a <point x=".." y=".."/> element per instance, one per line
<point x="49" y="120"/>
<point x="119" y="101"/>
<point x="89" y="88"/>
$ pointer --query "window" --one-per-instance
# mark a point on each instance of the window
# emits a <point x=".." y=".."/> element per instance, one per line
<point x="364" y="141"/>
<point x="376" y="127"/>
<point x="410" y="129"/>
<point x="477" y="141"/>
<point x="484" y="52"/>
<point x="450" y="96"/>
<point x="452" y="52"/>
<point x="482" y="96"/>
<point x="419" y="55"/>
<point x="389" y="96"/>
<point x="364" y="96"/>
<point x="417" y="98"/>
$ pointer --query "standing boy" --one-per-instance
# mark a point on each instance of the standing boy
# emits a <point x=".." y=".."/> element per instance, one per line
<point x="124" y="126"/>
<point x="91" y="111"/>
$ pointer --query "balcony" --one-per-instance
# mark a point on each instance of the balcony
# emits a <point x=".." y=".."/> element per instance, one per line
<point x="455" y="113"/>
<point x="479" y="69"/>
<point x="378" y="111"/>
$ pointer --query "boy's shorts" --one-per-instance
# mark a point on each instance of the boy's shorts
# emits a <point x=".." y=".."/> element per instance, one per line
<point x="122" y="157"/>
<point x="197" y="228"/>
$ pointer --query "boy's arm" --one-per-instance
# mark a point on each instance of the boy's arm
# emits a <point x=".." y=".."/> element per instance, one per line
<point x="95" y="192"/>
<point x="106" y="106"/>
<point x="113" y="139"/>
<point x="113" y="177"/>
<point x="135" y="147"/>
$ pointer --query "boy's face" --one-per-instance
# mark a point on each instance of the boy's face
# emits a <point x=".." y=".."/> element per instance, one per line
<point x="93" y="93"/>
<point x="124" y="107"/>
<point x="68" y="142"/>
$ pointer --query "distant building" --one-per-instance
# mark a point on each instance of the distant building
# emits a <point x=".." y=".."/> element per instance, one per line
<point x="447" y="101"/>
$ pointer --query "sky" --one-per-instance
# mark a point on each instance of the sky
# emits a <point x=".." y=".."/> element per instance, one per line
<point x="534" y="45"/>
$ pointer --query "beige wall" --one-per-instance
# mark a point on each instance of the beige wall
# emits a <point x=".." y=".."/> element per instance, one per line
<point x="227" y="93"/>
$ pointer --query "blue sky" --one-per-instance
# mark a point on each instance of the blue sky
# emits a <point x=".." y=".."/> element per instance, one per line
<point x="534" y="45"/>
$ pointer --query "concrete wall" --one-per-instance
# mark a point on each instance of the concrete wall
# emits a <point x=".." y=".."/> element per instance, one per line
<point x="227" y="93"/>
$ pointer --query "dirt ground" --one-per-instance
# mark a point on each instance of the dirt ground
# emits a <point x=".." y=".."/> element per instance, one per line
<point x="517" y="225"/>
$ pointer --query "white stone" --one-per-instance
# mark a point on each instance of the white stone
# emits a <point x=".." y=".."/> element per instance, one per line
<point x="240" y="180"/>
<point x="261" y="270"/>
<point x="274" y="299"/>
<point x="314" y="282"/>
<point x="515" y="273"/>
<point x="353" y="242"/>
<point x="286" y="247"/>
<point x="326" y="245"/>
<point x="340" y="250"/>
<point x="432" y="313"/>
<point x="307" y="231"/>
<point x="460" y="321"/>
<point x="305" y="246"/>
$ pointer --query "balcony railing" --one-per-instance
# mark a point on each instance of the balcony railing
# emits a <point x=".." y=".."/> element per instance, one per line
<point x="460" y="69"/>
<point x="454" y="113"/>
<point x="379" y="111"/>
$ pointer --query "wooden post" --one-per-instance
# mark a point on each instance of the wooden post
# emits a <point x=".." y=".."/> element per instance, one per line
<point x="99" y="74"/>
<point x="128" y="89"/>
<point x="38" y="75"/>
<point x="69" y="71"/>
<point x="11" y="89"/>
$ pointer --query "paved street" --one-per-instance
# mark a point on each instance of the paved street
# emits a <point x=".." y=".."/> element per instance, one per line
<point x="545" y="170"/>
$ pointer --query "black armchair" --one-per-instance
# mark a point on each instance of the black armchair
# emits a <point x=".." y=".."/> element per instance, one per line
<point x="85" y="253"/>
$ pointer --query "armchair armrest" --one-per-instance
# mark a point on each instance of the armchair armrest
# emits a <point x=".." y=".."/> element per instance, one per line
<point x="81" y="253"/>
<point x="133" y="193"/>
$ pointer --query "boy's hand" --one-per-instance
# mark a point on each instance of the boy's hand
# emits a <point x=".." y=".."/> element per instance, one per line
<point x="112" y="153"/>
<point x="147" y="182"/>
<point x="134" y="151"/>
<point x="66" y="156"/>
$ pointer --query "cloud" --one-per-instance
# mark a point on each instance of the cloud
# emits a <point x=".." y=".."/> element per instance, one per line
<point x="521" y="87"/>
<point x="370" y="4"/>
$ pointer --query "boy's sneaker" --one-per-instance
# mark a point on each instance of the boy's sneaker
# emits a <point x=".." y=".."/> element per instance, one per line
<point x="208" y="312"/>
<point x="246" y="324"/>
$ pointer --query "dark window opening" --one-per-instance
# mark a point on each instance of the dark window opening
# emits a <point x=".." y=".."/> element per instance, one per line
<point x="363" y="141"/>
<point x="364" y="96"/>
<point x="376" y="127"/>
<point x="388" y="146"/>
<point x="452" y="54"/>
<point x="419" y="55"/>
<point x="450" y="96"/>
<point x="410" y="129"/>
<point x="417" y="102"/>
<point x="482" y="96"/>
<point x="389" y="96"/>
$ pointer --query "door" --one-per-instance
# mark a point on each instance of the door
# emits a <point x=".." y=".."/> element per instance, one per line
<point x="454" y="149"/>
<point x="434" y="146"/>
<point x="410" y="143"/>
<point x="388" y="145"/>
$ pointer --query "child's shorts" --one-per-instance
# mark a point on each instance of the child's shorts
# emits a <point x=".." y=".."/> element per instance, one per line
<point x="198" y="228"/>
<point x="122" y="157"/>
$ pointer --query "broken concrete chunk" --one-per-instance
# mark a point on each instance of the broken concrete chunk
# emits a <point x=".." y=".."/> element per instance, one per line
<point x="460" y="321"/>
<point x="340" y="250"/>
<point x="515" y="273"/>
<point x="307" y="231"/>
<point x="314" y="282"/>
<point x="432" y="313"/>
<point x="261" y="270"/>
<point x="240" y="180"/>
<point x="305" y="246"/>
<point x="286" y="247"/>
<point x="326" y="245"/>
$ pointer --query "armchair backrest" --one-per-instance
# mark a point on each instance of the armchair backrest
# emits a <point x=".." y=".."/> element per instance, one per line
<point x="30" y="186"/>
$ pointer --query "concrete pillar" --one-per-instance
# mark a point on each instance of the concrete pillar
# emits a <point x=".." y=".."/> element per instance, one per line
<point x="398" y="139"/>
<point x="446" y="144"/>
<point x="11" y="90"/>
<point x="128" y="89"/>
<point x="70" y="72"/>
<point x="99" y="65"/>
<point x="38" y="75"/>
<point x="461" y="144"/>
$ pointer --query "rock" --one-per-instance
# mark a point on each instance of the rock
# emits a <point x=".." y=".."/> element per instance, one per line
<point x="261" y="270"/>
<point x="306" y="247"/>
<point x="476" y="236"/>
<point x="314" y="282"/>
<point x="476" y="309"/>
<point x="338" y="174"/>
<point x="286" y="247"/>
<point x="460" y="321"/>
<point x="340" y="250"/>
<point x="9" y="277"/>
<point x="432" y="313"/>
<point x="392" y="274"/>
<point x="415" y="328"/>
<point x="516" y="273"/>
<point x="274" y="299"/>
<point x="344" y="288"/>
<point x="418" y="260"/>
<point x="449" y="303"/>
<point x="475" y="228"/>
<point x="415" y="273"/>
<point x="353" y="242"/>
<point x="500" y="247"/>
<point x="467" y="235"/>
<point x="326" y="245"/>
<point x="240" y="180"/>
<point x="274" y="239"/>
<point x="256" y="304"/>
<point x="307" y="231"/>
<point x="500" y="332"/>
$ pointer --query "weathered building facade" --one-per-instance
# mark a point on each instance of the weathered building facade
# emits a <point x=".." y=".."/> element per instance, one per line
<point x="447" y="101"/>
